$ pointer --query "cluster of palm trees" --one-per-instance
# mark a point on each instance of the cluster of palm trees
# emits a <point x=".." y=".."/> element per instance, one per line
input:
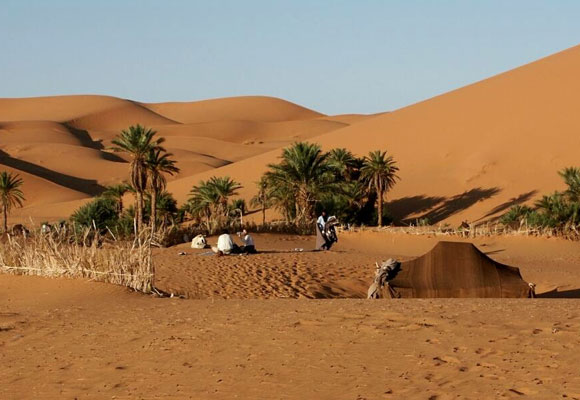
<point x="559" y="210"/>
<point x="306" y="177"/>
<point x="209" y="201"/>
<point x="149" y="164"/>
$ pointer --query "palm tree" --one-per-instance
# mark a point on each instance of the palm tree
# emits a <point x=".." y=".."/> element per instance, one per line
<point x="571" y="176"/>
<point x="262" y="199"/>
<point x="158" y="163"/>
<point x="117" y="192"/>
<point x="343" y="161"/>
<point x="224" y="188"/>
<point x="304" y="174"/>
<point x="138" y="142"/>
<point x="379" y="171"/>
<point x="10" y="194"/>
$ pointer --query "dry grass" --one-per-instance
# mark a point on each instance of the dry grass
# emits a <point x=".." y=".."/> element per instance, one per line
<point x="483" y="230"/>
<point x="58" y="255"/>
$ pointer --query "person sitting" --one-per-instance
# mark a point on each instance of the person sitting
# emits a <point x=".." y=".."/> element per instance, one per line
<point x="198" y="242"/>
<point x="248" y="247"/>
<point x="225" y="245"/>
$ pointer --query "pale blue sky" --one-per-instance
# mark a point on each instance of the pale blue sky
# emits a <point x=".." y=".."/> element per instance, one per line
<point x="334" y="56"/>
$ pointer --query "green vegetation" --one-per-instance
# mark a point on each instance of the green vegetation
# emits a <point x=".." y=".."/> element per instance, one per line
<point x="559" y="211"/>
<point x="308" y="180"/>
<point x="117" y="192"/>
<point x="139" y="143"/>
<point x="158" y="163"/>
<point x="101" y="212"/>
<point x="380" y="171"/>
<point x="208" y="201"/>
<point x="10" y="194"/>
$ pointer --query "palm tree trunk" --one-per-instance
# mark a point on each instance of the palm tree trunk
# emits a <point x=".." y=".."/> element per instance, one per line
<point x="380" y="201"/>
<point x="263" y="213"/>
<point x="153" y="211"/>
<point x="139" y="210"/>
<point x="5" y="212"/>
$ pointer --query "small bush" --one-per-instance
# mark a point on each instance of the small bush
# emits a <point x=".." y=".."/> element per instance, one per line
<point x="102" y="212"/>
<point x="516" y="215"/>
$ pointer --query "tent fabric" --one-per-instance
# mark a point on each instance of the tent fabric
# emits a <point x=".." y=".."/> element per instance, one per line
<point x="457" y="269"/>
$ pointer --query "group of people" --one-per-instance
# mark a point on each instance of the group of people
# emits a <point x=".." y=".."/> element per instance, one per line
<point x="226" y="245"/>
<point x="325" y="238"/>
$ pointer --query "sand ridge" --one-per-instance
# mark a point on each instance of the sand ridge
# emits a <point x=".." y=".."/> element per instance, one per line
<point x="61" y="144"/>
<point x="460" y="154"/>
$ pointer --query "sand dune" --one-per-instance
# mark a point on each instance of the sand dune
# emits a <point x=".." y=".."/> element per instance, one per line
<point x="65" y="140"/>
<point x="245" y="108"/>
<point x="468" y="154"/>
<point x="471" y="153"/>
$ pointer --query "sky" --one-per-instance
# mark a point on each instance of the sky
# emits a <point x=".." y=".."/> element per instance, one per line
<point x="358" y="56"/>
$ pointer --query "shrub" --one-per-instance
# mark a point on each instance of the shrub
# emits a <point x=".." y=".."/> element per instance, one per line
<point x="102" y="212"/>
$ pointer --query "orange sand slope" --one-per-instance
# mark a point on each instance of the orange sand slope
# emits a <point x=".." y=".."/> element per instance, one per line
<point x="60" y="145"/>
<point x="468" y="154"/>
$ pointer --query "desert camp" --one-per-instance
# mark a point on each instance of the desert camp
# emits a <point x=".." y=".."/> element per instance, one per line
<point x="453" y="270"/>
<point x="290" y="200"/>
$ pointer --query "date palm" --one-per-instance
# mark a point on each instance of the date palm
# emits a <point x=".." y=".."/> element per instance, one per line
<point x="202" y="201"/>
<point x="343" y="161"/>
<point x="571" y="176"/>
<point x="138" y="142"/>
<point x="158" y="163"/>
<point x="10" y="194"/>
<point x="303" y="173"/>
<point x="117" y="192"/>
<point x="224" y="188"/>
<point x="380" y="172"/>
<point x="263" y="198"/>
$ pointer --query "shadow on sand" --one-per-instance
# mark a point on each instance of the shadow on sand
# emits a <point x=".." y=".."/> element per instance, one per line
<point x="514" y="201"/>
<point x="437" y="209"/>
<point x="87" y="186"/>
<point x="87" y="141"/>
<point x="564" y="294"/>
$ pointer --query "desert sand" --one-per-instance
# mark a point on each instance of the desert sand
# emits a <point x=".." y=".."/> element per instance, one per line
<point x="465" y="155"/>
<point x="78" y="339"/>
<point x="290" y="323"/>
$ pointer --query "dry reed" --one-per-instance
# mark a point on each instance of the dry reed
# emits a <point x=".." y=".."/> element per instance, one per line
<point x="58" y="255"/>
<point x="483" y="230"/>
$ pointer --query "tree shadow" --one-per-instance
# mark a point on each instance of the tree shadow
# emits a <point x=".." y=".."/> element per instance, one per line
<point x="446" y="207"/>
<point x="564" y="294"/>
<point x="87" y="186"/>
<point x="522" y="198"/>
<point x="401" y="208"/>
<point x="87" y="141"/>
<point x="489" y="253"/>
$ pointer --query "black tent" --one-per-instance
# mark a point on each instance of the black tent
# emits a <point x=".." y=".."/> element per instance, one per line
<point x="457" y="269"/>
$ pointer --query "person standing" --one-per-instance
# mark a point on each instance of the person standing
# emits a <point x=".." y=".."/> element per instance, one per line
<point x="321" y="240"/>
<point x="321" y="221"/>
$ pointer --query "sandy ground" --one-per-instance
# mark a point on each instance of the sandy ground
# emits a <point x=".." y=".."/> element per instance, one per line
<point x="288" y="267"/>
<point x="76" y="339"/>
